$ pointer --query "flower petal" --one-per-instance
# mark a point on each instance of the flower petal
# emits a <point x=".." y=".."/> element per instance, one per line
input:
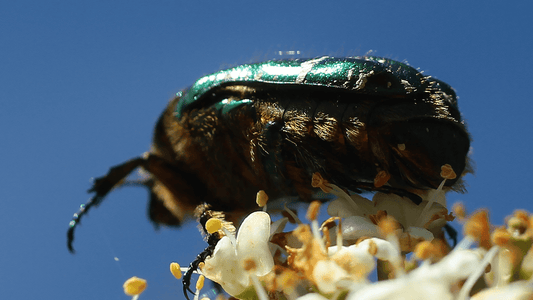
<point x="326" y="274"/>
<point x="354" y="227"/>
<point x="224" y="268"/>
<point x="252" y="242"/>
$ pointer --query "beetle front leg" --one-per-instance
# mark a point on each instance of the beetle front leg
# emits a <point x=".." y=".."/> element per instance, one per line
<point x="102" y="186"/>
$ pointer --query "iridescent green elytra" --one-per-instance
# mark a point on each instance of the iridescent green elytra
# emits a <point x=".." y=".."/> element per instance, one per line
<point x="349" y="73"/>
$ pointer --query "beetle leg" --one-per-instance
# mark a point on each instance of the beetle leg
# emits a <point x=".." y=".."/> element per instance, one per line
<point x="102" y="186"/>
<point x="193" y="266"/>
<point x="452" y="233"/>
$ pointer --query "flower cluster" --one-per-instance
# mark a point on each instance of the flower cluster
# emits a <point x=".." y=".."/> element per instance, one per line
<point x="400" y="241"/>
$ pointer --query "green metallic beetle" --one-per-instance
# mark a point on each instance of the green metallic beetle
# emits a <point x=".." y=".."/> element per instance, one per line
<point x="363" y="123"/>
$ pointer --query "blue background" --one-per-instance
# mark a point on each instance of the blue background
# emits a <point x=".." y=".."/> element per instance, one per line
<point x="83" y="82"/>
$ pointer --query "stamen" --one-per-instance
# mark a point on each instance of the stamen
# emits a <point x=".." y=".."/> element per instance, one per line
<point x="447" y="172"/>
<point x="261" y="199"/>
<point x="313" y="210"/>
<point x="175" y="269"/>
<point x="260" y="290"/>
<point x="478" y="228"/>
<point x="250" y="266"/>
<point x="292" y="214"/>
<point x="459" y="210"/>
<point x="319" y="182"/>
<point x="465" y="290"/>
<point x="312" y="213"/>
<point x="199" y="286"/>
<point x="388" y="227"/>
<point x="339" y="236"/>
<point x="429" y="204"/>
<point x="134" y="287"/>
<point x="424" y="250"/>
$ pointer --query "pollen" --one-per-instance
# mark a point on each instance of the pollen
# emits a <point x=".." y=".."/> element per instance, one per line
<point x="377" y="217"/>
<point x="425" y="250"/>
<point x="501" y="237"/>
<point x="288" y="279"/>
<point x="319" y="182"/>
<point x="518" y="223"/>
<point x="261" y="199"/>
<point x="388" y="225"/>
<point x="313" y="210"/>
<point x="459" y="210"/>
<point x="213" y="225"/>
<point x="134" y="286"/>
<point x="175" y="269"/>
<point x="478" y="227"/>
<point x="447" y="172"/>
<point x="521" y="214"/>
<point x="200" y="282"/>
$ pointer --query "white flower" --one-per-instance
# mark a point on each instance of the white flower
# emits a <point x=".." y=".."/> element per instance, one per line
<point x="457" y="265"/>
<point x="346" y="205"/>
<point x="515" y="290"/>
<point x="426" y="282"/>
<point x="225" y="266"/>
<point x="402" y="289"/>
<point x="417" y="221"/>
<point x="408" y="213"/>
<point x="356" y="262"/>
<point x="354" y="227"/>
<point x="312" y="296"/>
<point x="326" y="274"/>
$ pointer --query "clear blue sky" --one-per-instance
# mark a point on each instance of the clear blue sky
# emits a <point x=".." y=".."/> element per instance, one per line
<point x="83" y="82"/>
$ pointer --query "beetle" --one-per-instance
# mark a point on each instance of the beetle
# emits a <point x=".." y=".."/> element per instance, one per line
<point x="365" y="123"/>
